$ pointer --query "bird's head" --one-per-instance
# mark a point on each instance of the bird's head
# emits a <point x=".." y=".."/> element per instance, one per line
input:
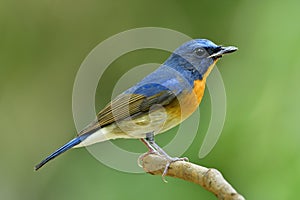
<point x="198" y="55"/>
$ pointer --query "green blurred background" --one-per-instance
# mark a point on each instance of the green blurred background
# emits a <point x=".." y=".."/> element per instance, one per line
<point x="42" y="44"/>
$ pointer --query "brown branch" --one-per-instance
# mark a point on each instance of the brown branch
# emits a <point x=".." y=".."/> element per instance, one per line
<point x="210" y="179"/>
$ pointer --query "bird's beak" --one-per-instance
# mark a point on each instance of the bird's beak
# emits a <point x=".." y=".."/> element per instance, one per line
<point x="222" y="51"/>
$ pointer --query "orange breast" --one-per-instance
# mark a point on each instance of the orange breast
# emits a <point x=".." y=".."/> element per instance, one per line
<point x="184" y="106"/>
<point x="199" y="87"/>
<point x="189" y="101"/>
<point x="192" y="100"/>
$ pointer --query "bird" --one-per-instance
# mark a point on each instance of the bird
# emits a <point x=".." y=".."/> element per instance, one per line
<point x="159" y="102"/>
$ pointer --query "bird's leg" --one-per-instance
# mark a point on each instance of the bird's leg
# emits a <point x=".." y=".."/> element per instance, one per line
<point x="151" y="149"/>
<point x="154" y="148"/>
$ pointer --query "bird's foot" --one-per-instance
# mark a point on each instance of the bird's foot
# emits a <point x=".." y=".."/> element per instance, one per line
<point x="141" y="157"/>
<point x="153" y="148"/>
<point x="170" y="160"/>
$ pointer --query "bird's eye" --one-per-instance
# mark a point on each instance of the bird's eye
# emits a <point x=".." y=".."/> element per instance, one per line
<point x="200" y="52"/>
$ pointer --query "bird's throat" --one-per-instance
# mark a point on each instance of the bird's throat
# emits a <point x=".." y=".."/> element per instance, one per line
<point x="209" y="69"/>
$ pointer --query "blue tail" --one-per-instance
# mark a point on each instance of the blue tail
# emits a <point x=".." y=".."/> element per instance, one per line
<point x="61" y="150"/>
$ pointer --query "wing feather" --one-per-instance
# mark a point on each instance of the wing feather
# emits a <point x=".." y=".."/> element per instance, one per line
<point x="128" y="105"/>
